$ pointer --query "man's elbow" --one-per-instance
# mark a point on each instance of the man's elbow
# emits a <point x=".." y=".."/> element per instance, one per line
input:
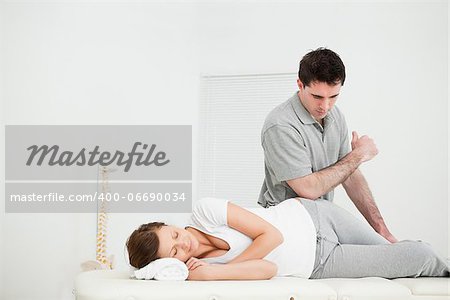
<point x="308" y="194"/>
<point x="304" y="188"/>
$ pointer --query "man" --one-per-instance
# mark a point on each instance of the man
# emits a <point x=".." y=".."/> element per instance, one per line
<point x="306" y="146"/>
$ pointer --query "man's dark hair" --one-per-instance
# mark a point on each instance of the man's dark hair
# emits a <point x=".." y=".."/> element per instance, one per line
<point x="322" y="65"/>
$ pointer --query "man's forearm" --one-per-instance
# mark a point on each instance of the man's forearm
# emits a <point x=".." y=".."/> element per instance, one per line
<point x="321" y="182"/>
<point x="359" y="192"/>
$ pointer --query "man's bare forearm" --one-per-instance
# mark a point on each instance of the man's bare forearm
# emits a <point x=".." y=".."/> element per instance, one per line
<point x="329" y="178"/>
<point x="321" y="182"/>
<point x="359" y="192"/>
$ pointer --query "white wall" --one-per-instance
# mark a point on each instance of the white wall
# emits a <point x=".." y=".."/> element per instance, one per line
<point x="87" y="64"/>
<point x="2" y="146"/>
<point x="139" y="63"/>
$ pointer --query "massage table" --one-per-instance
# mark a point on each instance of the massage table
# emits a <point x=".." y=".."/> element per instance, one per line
<point x="116" y="285"/>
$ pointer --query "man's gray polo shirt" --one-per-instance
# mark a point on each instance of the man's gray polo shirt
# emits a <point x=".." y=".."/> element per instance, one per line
<point x="296" y="145"/>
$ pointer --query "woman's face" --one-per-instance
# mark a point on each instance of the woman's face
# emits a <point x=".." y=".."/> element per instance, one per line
<point x="176" y="242"/>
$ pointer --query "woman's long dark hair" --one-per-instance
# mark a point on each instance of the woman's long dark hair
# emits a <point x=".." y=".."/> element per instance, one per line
<point x="143" y="244"/>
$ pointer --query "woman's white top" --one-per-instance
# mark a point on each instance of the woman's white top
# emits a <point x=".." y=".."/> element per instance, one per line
<point x="294" y="257"/>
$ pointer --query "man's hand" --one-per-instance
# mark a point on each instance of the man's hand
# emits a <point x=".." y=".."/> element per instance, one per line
<point x="387" y="235"/>
<point x="364" y="146"/>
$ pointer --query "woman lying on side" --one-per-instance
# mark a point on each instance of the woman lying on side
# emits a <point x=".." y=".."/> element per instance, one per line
<point x="298" y="237"/>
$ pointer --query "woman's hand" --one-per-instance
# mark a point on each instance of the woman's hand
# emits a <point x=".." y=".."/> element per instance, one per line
<point x="198" y="269"/>
<point x="193" y="263"/>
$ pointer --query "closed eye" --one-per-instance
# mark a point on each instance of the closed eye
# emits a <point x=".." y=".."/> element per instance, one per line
<point x="174" y="251"/>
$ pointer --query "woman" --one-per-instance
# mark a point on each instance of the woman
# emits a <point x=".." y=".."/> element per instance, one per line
<point x="298" y="237"/>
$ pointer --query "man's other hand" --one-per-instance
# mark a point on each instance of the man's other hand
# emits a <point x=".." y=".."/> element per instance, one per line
<point x="364" y="146"/>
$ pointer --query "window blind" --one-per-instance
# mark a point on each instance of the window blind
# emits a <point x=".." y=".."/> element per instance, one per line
<point x="232" y="112"/>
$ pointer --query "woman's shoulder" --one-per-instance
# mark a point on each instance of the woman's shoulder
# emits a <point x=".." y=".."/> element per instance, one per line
<point x="209" y="203"/>
<point x="212" y="211"/>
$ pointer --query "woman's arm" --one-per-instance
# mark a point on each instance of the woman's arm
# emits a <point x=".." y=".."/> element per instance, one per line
<point x="266" y="237"/>
<point x="256" y="269"/>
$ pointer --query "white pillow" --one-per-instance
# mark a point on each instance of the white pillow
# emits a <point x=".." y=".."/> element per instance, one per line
<point x="163" y="269"/>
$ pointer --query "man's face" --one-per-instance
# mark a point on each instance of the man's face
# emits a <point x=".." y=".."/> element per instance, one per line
<point x="318" y="98"/>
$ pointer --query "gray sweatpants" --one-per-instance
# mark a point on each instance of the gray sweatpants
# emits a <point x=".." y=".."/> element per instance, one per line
<point x="349" y="247"/>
